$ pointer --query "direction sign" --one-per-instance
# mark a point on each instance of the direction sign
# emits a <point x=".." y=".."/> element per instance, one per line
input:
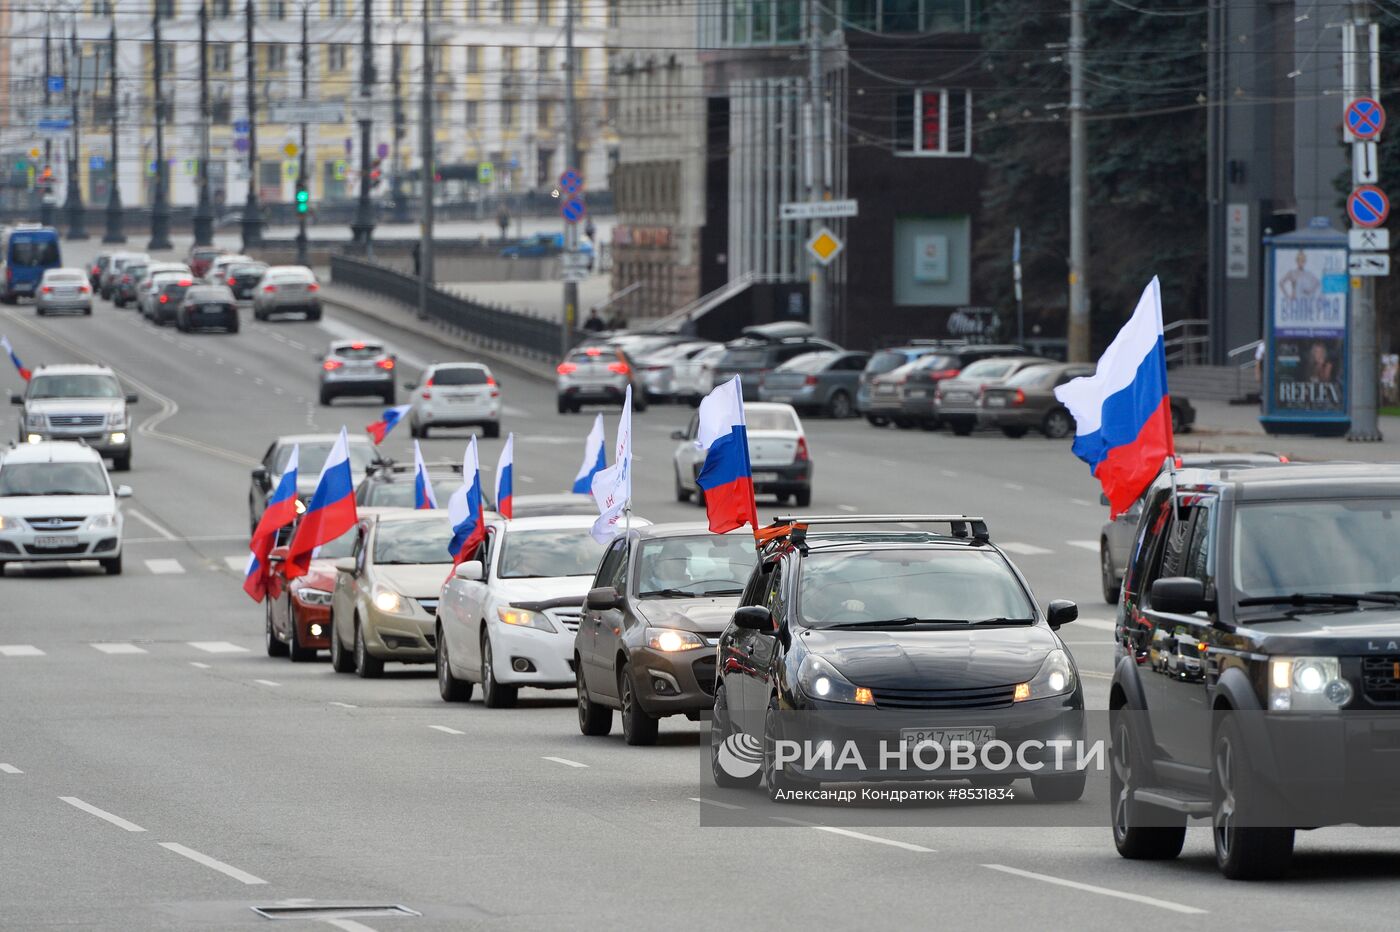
<point x="1368" y="206"/>
<point x="825" y="246"/>
<point x="572" y="209"/>
<point x="55" y="84"/>
<point x="813" y="210"/>
<point x="55" y="126"/>
<point x="571" y="181"/>
<point x="1365" y="168"/>
<point x="1377" y="240"/>
<point x="240" y="126"/>
<point x="1365" y="118"/>
<point x="33" y="153"/>
<point x="485" y="171"/>
<point x="97" y="162"/>
<point x="1369" y="264"/>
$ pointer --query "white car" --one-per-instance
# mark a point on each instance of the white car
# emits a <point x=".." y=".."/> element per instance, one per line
<point x="456" y="394"/>
<point x="659" y="367"/>
<point x="693" y="377"/>
<point x="63" y="290"/>
<point x="779" y="455"/>
<point x="220" y="266"/>
<point x="57" y="503"/>
<point x="508" y="620"/>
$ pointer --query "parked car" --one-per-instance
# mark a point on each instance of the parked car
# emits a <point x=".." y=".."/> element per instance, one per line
<point x="202" y="257"/>
<point x="26" y="252"/>
<point x="455" y="394"/>
<point x="659" y="367"/>
<point x="357" y="368"/>
<point x="824" y="382"/>
<point x="243" y="277"/>
<point x="63" y="290"/>
<point x="693" y="378"/>
<point x="778" y="455"/>
<point x="206" y="306"/>
<point x="887" y="360"/>
<point x="904" y="395"/>
<point x="762" y="349"/>
<point x="118" y="265"/>
<point x="126" y="283"/>
<point x="597" y="374"/>
<point x="314" y="448"/>
<point x="540" y="245"/>
<point x="955" y="399"/>
<point x="285" y="288"/>
<point x="1027" y="401"/>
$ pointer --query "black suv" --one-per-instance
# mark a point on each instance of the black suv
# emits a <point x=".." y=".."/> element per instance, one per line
<point x="1258" y="667"/>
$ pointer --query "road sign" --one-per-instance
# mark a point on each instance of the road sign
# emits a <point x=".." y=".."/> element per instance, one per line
<point x="1364" y="163"/>
<point x="34" y="153"/>
<point x="571" y="181"/>
<point x="55" y="84"/>
<point x="1372" y="264"/>
<point x="485" y="171"/>
<point x="1365" y="118"/>
<point x="291" y="150"/>
<point x="240" y="144"/>
<point x="576" y="260"/>
<point x="1368" y="206"/>
<point x="240" y="126"/>
<point x="572" y="209"/>
<point x="382" y="150"/>
<point x="825" y="246"/>
<point x="50" y="127"/>
<point x="97" y="162"/>
<point x="1363" y="240"/>
<point x="813" y="210"/>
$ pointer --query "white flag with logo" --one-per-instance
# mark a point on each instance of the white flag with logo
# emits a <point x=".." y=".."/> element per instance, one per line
<point x="612" y="487"/>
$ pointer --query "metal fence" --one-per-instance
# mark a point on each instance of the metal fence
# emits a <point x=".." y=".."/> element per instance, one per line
<point x="493" y="327"/>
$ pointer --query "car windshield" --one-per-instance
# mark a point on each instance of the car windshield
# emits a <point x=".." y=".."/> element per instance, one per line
<point x="885" y="361"/>
<point x="313" y="457"/>
<point x="1326" y="546"/>
<point x="136" y="272"/>
<point x="459" y="375"/>
<point x="399" y="493"/>
<point x="74" y="385"/>
<point x="64" y="276"/>
<point x="549" y="552"/>
<point x="753" y="357"/>
<point x="707" y="564"/>
<point x="987" y="369"/>
<point x="53" y="479"/>
<point x="29" y="253"/>
<point x="809" y="362"/>
<point x="770" y="419"/>
<point x="342" y="546"/>
<point x="423" y="540"/>
<point x="1034" y="377"/>
<point x="241" y="271"/>
<point x="851" y="588"/>
<point x="937" y="361"/>
<point x="358" y="351"/>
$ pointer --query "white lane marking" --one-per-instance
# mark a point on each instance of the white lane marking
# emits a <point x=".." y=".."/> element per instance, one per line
<point x="237" y="564"/>
<point x="120" y="648"/>
<point x="202" y="666"/>
<point x="9" y="768"/>
<point x="1084" y="502"/>
<point x="128" y="541"/>
<point x="1015" y="487"/>
<point x="565" y="761"/>
<point x="716" y="803"/>
<point x="1084" y="544"/>
<point x="1101" y="891"/>
<point x="151" y="523"/>
<point x="237" y="371"/>
<point x="218" y="647"/>
<point x="528" y="479"/>
<point x="445" y="730"/>
<point x="848" y="508"/>
<point x="1025" y="550"/>
<point x="860" y="836"/>
<point x="103" y="814"/>
<point x="266" y="683"/>
<point x="296" y="345"/>
<point x="20" y="650"/>
<point x="257" y="381"/>
<point x="1098" y="624"/>
<point x="164" y="567"/>
<point x="949" y="473"/>
<point x="347" y="925"/>
<point x="343" y="705"/>
<point x="226" y="869"/>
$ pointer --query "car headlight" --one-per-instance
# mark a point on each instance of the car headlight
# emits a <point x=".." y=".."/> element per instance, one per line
<point x="523" y="618"/>
<point x="1055" y="678"/>
<point x="820" y="680"/>
<point x="671" y="640"/>
<point x="9" y="524"/>
<point x="34" y="421"/>
<point x="1307" y="684"/>
<point x="387" y="600"/>
<point x="321" y="597"/>
<point x="98" y="522"/>
<point x="119" y="421"/>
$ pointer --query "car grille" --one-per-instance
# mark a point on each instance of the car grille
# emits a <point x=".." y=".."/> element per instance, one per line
<point x="55" y="523"/>
<point x="568" y="617"/>
<point x="986" y="697"/>
<point x="705" y="673"/>
<point x="429" y="605"/>
<point x="76" y="420"/>
<point x="1380" y="678"/>
<point x="56" y="551"/>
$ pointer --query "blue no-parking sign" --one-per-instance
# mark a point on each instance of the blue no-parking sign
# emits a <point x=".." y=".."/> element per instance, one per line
<point x="1368" y="206"/>
<point x="572" y="209"/>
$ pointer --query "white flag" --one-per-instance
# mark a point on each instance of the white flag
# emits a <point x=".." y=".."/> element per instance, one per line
<point x="612" y="487"/>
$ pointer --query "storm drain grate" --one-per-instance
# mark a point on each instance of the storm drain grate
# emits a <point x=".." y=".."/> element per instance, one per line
<point x="331" y="912"/>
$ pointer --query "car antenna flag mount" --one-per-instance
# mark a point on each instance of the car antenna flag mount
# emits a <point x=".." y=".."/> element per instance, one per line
<point x="964" y="526"/>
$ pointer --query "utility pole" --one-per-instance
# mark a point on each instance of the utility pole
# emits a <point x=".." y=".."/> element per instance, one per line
<point x="815" y="166"/>
<point x="303" y="258"/>
<point x="204" y="208"/>
<point x="363" y="225"/>
<point x="45" y="197"/>
<point x="1363" y="71"/>
<point x="160" y="210"/>
<point x="74" y="203"/>
<point x="1079" y="342"/>
<point x="115" y="233"/>
<point x="400" y="214"/>
<point x="426" y="129"/>
<point x="566" y="325"/>
<point x="252" y="212"/>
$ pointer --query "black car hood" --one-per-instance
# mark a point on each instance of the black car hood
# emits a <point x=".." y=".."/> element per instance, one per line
<point x="935" y="659"/>
<point x="707" y="615"/>
<point x="1347" y="632"/>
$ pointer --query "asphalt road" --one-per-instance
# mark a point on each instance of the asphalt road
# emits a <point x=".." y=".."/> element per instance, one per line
<point x="157" y="771"/>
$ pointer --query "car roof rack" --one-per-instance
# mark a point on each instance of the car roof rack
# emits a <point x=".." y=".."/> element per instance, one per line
<point x="795" y="527"/>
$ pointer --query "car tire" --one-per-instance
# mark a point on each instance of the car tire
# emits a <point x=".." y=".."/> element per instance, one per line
<point x="682" y="493"/>
<point x="1112" y="585"/>
<point x="314" y="315"/>
<point x="112" y="566"/>
<point x="802" y="497"/>
<point x="699" y="495"/>
<point x="639" y="401"/>
<point x="326" y="397"/>
<point x="233" y="326"/>
<point x="121" y="463"/>
<point x="877" y="421"/>
<point x="40" y="312"/>
<point x="839" y="405"/>
<point x="638" y="728"/>
<point x="778" y="781"/>
<point x="367" y="667"/>
<point x="1015" y="433"/>
<point x="275" y="648"/>
<point x="295" y="651"/>
<point x="491" y="431"/>
<point x="87" y="312"/>
<point x="493" y="694"/>
<point x="1241" y="852"/>
<point x="414" y="430"/>
<point x="904" y="423"/>
<point x="1178" y="420"/>
<point x="450" y="688"/>
<point x="341" y="661"/>
<point x="930" y="423"/>
<point x="1057" y="424"/>
<point x="388" y="397"/>
<point x="1161" y="838"/>
<point x="594" y="719"/>
<point x="259" y="315"/>
<point x="1058" y="788"/>
<point x="562" y="405"/>
<point x="962" y="426"/>
<point x="720" y="733"/>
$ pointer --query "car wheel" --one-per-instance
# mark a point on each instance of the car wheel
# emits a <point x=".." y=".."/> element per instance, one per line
<point x="87" y="312"/>
<point x="778" y="780"/>
<point x="495" y="695"/>
<point x="366" y="666"/>
<point x="388" y="397"/>
<point x="1014" y="433"/>
<point x="802" y="497"/>
<point x="639" y="401"/>
<point x="326" y="397"/>
<point x="449" y="687"/>
<point x="275" y="648"/>
<point x="491" y="431"/>
<point x="112" y="566"/>
<point x="414" y="430"/>
<point x="594" y="720"/>
<point x="233" y="325"/>
<point x="40" y="312"/>
<point x="1057" y="424"/>
<point x="295" y="651"/>
<point x="1059" y="788"/>
<point x="682" y="493"/>
<point x="904" y="423"/>
<point x="638" y="728"/>
<point x="562" y="405"/>
<point x="732" y="753"/>
<point x="699" y="495"/>
<point x="1162" y="838"/>
<point x="962" y="426"/>
<point x="839" y="406"/>
<point x="259" y="315"/>
<point x="314" y="315"/>
<point x="121" y="463"/>
<point x="1111" y="583"/>
<point x="876" y="420"/>
<point x="1242" y="852"/>
<point x="341" y="662"/>
<point x="1177" y="420"/>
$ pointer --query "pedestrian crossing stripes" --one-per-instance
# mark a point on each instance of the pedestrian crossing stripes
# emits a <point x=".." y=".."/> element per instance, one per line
<point x="164" y="567"/>
<point x="20" y="650"/>
<point x="218" y="647"/>
<point x="1025" y="550"/>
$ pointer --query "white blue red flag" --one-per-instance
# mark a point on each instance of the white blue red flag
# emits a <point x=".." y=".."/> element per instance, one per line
<point x="14" y="358"/>
<point x="612" y="487"/>
<point x="505" y="482"/>
<point x="331" y="511"/>
<point x="595" y="458"/>
<point x="1122" y="413"/>
<point x="465" y="511"/>
<point x="281" y="511"/>
<point x="423" y="496"/>
<point x="726" y="475"/>
<point x="387" y="421"/>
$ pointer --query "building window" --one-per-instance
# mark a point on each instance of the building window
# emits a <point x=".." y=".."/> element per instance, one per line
<point x="507" y="11"/>
<point x="542" y="63"/>
<point x="933" y="123"/>
<point x="397" y="7"/>
<point x="165" y="9"/>
<point x="275" y="58"/>
<point x="221" y="9"/>
<point x="507" y="113"/>
<point x="473" y="112"/>
<point x="277" y="9"/>
<point x="102" y="8"/>
<point x="546" y="114"/>
<point x="438" y="59"/>
<point x="613" y="13"/>
<point x="167" y="58"/>
<point x="546" y="11"/>
<point x="473" y="59"/>
<point x="337" y="56"/>
<point x="473" y="9"/>
<point x="508" y="57"/>
<point x="335" y="8"/>
<point x="440" y="8"/>
<point x="220" y="58"/>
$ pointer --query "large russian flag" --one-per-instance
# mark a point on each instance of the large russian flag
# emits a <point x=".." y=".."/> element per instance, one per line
<point x="505" y="482"/>
<point x="464" y="509"/>
<point x="1122" y="413"/>
<point x="281" y="510"/>
<point x="726" y="475"/>
<point x="331" y="511"/>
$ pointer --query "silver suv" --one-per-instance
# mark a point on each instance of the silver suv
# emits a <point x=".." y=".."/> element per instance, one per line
<point x="357" y="367"/>
<point x="78" y="402"/>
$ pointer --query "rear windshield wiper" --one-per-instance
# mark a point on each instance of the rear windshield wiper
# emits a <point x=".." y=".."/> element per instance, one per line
<point x="1321" y="598"/>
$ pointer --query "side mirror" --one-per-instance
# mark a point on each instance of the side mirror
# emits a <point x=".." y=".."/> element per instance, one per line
<point x="123" y="491"/>
<point x="678" y="435"/>
<point x="603" y="599"/>
<point x="1180" y="595"/>
<point x="1061" y="612"/>
<point x="470" y="570"/>
<point x="132" y="398"/>
<point x="16" y="399"/>
<point x="345" y="565"/>
<point x="754" y="618"/>
<point x="260" y="474"/>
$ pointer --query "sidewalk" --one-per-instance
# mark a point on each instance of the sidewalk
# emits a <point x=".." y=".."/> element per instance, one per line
<point x="539" y="299"/>
<point x="1227" y="428"/>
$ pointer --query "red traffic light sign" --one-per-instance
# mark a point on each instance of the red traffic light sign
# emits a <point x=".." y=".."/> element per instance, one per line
<point x="1368" y="206"/>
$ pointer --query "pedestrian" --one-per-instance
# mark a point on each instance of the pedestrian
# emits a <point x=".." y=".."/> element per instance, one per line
<point x="618" y="321"/>
<point x="417" y="260"/>
<point x="590" y="231"/>
<point x="503" y="221"/>
<point x="594" y="323"/>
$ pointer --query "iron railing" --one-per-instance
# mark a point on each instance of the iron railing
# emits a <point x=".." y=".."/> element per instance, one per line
<point x="1187" y="341"/>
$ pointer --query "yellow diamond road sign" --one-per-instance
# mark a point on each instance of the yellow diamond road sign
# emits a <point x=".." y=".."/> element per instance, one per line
<point x="291" y="149"/>
<point x="825" y="246"/>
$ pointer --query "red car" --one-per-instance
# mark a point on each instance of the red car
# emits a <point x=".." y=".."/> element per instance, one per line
<point x="201" y="257"/>
<point x="299" y="613"/>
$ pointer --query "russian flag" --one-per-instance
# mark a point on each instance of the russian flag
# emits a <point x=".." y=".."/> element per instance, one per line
<point x="1122" y="413"/>
<point x="387" y="421"/>
<point x="331" y="511"/>
<point x="464" y="510"/>
<point x="23" y="372"/>
<point x="423" y="496"/>
<point x="281" y="510"/>
<point x="595" y="459"/>
<point x="726" y="475"/>
<point x="505" y="486"/>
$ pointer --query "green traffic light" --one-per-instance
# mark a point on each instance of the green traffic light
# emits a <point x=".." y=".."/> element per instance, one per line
<point x="303" y="200"/>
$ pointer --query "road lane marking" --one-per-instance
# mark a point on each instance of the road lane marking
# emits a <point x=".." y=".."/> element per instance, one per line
<point x="347" y="925"/>
<point x="9" y="768"/>
<point x="238" y="564"/>
<point x="103" y="814"/>
<point x="343" y="705"/>
<point x="1025" y="550"/>
<point x="1101" y="891"/>
<point x="217" y="647"/>
<point x="848" y="508"/>
<point x="565" y="761"/>
<point x="151" y="523"/>
<point x="226" y="869"/>
<point x="202" y="666"/>
<point x="1015" y="487"/>
<point x="1084" y="544"/>
<point x="860" y="836"/>
<point x="445" y="730"/>
<point x="716" y="803"/>
<point x="266" y="683"/>
<point x="120" y="648"/>
<point x="949" y="473"/>
<point x="1098" y="624"/>
<point x="164" y="567"/>
<point x="1083" y="501"/>
<point x="20" y="650"/>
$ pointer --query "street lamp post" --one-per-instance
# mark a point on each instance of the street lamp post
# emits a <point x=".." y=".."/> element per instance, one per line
<point x="252" y="212"/>
<point x="363" y="225"/>
<point x="115" y="233"/>
<point x="74" y="202"/>
<point x="160" y="209"/>
<point x="204" y="208"/>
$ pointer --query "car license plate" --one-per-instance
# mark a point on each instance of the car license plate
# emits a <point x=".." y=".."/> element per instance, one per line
<point x="55" y="542"/>
<point x="996" y="401"/>
<point x="765" y="477"/>
<point x="978" y="735"/>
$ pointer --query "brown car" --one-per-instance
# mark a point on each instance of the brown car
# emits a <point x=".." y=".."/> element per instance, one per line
<point x="1027" y="401"/>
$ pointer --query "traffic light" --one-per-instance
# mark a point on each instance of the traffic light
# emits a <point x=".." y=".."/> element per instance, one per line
<point x="303" y="198"/>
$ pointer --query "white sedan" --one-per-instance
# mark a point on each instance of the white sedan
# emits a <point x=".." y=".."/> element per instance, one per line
<point x="779" y="455"/>
<point x="508" y="620"/>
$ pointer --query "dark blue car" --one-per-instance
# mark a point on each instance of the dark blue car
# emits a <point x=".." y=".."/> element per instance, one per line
<point x="540" y="245"/>
<point x="26" y="252"/>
